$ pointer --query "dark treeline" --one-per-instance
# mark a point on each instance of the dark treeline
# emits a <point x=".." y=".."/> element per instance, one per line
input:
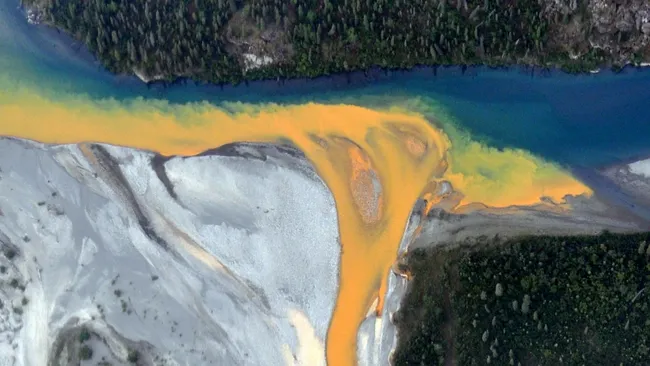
<point x="206" y="39"/>
<point x="154" y="37"/>
<point x="532" y="301"/>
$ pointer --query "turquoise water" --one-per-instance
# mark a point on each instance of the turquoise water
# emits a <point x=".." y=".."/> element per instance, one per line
<point x="584" y="121"/>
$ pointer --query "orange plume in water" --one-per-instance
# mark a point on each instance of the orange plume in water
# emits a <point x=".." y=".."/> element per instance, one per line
<point x="375" y="163"/>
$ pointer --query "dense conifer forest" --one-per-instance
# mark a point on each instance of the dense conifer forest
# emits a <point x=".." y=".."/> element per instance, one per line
<point x="579" y="300"/>
<point x="235" y="40"/>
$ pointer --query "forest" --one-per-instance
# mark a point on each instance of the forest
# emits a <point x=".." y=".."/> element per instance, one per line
<point x="228" y="41"/>
<point x="528" y="301"/>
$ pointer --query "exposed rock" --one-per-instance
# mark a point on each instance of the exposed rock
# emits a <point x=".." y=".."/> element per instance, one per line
<point x="254" y="47"/>
<point x="252" y="61"/>
<point x="621" y="28"/>
<point x="645" y="28"/>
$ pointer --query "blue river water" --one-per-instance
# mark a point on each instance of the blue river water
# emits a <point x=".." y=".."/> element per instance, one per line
<point x="580" y="121"/>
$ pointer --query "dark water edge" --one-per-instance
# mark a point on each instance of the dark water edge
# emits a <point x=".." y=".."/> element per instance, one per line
<point x="275" y="89"/>
<point x="58" y="45"/>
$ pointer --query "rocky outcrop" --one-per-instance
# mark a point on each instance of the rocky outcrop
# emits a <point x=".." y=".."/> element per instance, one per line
<point x="620" y="28"/>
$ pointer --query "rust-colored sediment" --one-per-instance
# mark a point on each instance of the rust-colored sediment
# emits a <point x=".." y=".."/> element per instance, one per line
<point x="376" y="164"/>
<point x="365" y="186"/>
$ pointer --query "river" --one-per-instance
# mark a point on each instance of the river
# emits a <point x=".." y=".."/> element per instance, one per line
<point x="379" y="141"/>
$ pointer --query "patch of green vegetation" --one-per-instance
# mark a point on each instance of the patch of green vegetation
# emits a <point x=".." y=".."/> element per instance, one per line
<point x="118" y="292"/>
<point x="9" y="252"/>
<point x="535" y="300"/>
<point x="133" y="356"/>
<point x="125" y="307"/>
<point x="85" y="352"/>
<point x="207" y="39"/>
<point x="14" y="283"/>
<point x="84" y="335"/>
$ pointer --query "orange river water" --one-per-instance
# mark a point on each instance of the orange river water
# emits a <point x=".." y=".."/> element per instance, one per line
<point x="376" y="164"/>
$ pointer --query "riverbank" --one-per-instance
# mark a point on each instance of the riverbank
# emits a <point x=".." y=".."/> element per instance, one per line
<point x="578" y="111"/>
<point x="527" y="299"/>
<point x="306" y="40"/>
<point x="443" y="265"/>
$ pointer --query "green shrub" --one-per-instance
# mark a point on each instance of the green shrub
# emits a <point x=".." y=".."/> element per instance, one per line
<point x="85" y="352"/>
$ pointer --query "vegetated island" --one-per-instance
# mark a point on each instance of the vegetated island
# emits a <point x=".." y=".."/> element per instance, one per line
<point x="574" y="300"/>
<point x="224" y="41"/>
